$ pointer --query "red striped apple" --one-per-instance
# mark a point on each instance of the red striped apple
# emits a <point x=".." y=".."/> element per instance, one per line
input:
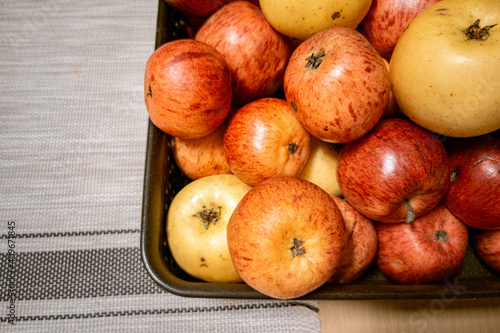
<point x="396" y="172"/>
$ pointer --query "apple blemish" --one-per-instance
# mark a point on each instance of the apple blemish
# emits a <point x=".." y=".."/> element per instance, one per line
<point x="475" y="32"/>
<point x="209" y="216"/>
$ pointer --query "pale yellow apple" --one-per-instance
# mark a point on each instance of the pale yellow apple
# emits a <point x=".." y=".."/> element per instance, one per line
<point x="445" y="70"/>
<point x="196" y="226"/>
<point x="321" y="166"/>
<point x="302" y="19"/>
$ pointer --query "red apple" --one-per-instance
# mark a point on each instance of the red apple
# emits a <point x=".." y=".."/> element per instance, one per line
<point x="256" y="53"/>
<point x="487" y="246"/>
<point x="474" y="192"/>
<point x="286" y="237"/>
<point x="200" y="8"/>
<point x="187" y="88"/>
<point x="263" y="139"/>
<point x="361" y="244"/>
<point x="338" y="84"/>
<point x="387" y="19"/>
<point x="201" y="157"/>
<point x="396" y="172"/>
<point x="431" y="249"/>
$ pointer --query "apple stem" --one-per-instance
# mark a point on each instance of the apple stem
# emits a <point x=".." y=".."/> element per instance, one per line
<point x="476" y="32"/>
<point x="209" y="216"/>
<point x="297" y="249"/>
<point x="410" y="213"/>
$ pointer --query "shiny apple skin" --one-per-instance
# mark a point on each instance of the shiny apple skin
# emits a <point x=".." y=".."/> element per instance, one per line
<point x="256" y="53"/>
<point x="413" y="254"/>
<point x="387" y="19"/>
<point x="345" y="95"/>
<point x="361" y="246"/>
<point x="257" y="138"/>
<point x="474" y="192"/>
<point x="487" y="246"/>
<point x="262" y="229"/>
<point x="201" y="157"/>
<point x="187" y="88"/>
<point x="396" y="161"/>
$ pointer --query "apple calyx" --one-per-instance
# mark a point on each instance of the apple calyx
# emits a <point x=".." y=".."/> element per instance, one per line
<point x="410" y="213"/>
<point x="315" y="59"/>
<point x="292" y="147"/>
<point x="209" y="216"/>
<point x="297" y="248"/>
<point x="478" y="33"/>
<point x="454" y="175"/>
<point x="441" y="236"/>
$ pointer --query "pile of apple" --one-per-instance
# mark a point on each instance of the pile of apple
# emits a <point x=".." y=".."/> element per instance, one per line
<point x="324" y="136"/>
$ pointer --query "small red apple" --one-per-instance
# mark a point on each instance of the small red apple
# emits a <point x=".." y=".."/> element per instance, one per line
<point x="387" y="19"/>
<point x="396" y="172"/>
<point x="201" y="157"/>
<point x="256" y="53"/>
<point x="264" y="139"/>
<point x="474" y="192"/>
<point x="338" y="84"/>
<point x="187" y="88"/>
<point x="487" y="246"/>
<point x="361" y="244"/>
<point x="431" y="249"/>
<point x="286" y="237"/>
<point x="200" y="8"/>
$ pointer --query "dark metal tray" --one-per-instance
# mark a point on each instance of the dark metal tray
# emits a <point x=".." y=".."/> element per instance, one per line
<point x="162" y="180"/>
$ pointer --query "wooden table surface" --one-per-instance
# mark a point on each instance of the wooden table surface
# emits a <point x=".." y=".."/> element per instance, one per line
<point x="387" y="316"/>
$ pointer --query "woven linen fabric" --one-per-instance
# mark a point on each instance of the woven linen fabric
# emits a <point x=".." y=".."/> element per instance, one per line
<point x="72" y="152"/>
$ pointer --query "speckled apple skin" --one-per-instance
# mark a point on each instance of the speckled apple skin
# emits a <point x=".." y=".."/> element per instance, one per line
<point x="257" y="138"/>
<point x="361" y="244"/>
<point x="395" y="161"/>
<point x="256" y="53"/>
<point x="261" y="229"/>
<point x="201" y="157"/>
<point x="387" y="19"/>
<point x="346" y="94"/>
<point x="410" y="254"/>
<point x="187" y="88"/>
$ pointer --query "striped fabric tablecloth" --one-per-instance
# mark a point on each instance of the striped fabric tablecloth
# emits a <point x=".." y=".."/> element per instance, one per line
<point x="72" y="151"/>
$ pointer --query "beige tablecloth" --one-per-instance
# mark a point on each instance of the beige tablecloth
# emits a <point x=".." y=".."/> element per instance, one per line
<point x="72" y="151"/>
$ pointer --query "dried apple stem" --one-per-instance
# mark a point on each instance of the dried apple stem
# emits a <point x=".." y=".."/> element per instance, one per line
<point x="478" y="33"/>
<point x="209" y="216"/>
<point x="410" y="213"/>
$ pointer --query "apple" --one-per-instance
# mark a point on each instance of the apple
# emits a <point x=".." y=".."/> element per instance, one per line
<point x="302" y="19"/>
<point x="431" y="249"/>
<point x="200" y="8"/>
<point x="256" y="53"/>
<point x="338" y="84"/>
<point x="445" y="68"/>
<point x="286" y="237"/>
<point x="201" y="157"/>
<point x="474" y="192"/>
<point x="487" y="246"/>
<point x="196" y="227"/>
<point x="361" y="244"/>
<point x="396" y="172"/>
<point x="387" y="19"/>
<point x="392" y="109"/>
<point x="264" y="139"/>
<point x="321" y="166"/>
<point x="187" y="88"/>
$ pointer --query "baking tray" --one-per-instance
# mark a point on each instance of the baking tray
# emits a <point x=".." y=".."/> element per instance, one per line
<point x="163" y="179"/>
